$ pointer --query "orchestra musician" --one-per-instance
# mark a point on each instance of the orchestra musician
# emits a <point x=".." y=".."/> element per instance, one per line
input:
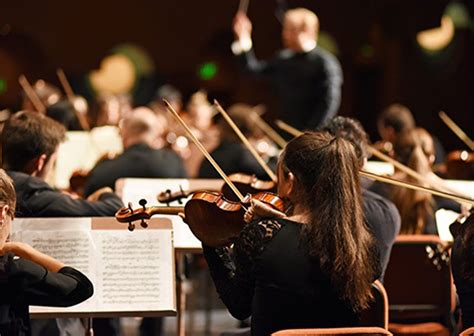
<point x="314" y="266"/>
<point x="306" y="79"/>
<point x="230" y="153"/>
<point x="57" y="106"/>
<point x="394" y="119"/>
<point x="414" y="148"/>
<point x="381" y="215"/>
<point x="29" y="277"/>
<point x="30" y="144"/>
<point x="141" y="158"/>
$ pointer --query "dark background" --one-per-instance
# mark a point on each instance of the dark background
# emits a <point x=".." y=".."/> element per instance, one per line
<point x="381" y="60"/>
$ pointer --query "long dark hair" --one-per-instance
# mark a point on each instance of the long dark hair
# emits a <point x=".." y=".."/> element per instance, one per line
<point x="326" y="174"/>
<point x="413" y="148"/>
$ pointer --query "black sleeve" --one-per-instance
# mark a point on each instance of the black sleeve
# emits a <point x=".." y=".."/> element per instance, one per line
<point x="233" y="270"/>
<point x="253" y="66"/>
<point x="33" y="284"/>
<point x="55" y="204"/>
<point x="328" y="88"/>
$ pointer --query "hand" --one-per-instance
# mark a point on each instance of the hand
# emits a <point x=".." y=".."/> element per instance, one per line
<point x="259" y="209"/>
<point x="96" y="194"/>
<point x="242" y="26"/>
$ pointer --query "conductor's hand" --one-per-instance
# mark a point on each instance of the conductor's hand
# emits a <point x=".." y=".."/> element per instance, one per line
<point x="99" y="192"/>
<point x="242" y="26"/>
<point x="259" y="210"/>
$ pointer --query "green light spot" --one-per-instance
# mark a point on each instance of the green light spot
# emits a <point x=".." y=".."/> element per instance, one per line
<point x="3" y="86"/>
<point x="207" y="70"/>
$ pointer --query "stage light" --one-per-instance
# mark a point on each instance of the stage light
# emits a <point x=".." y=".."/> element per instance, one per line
<point x="3" y="86"/>
<point x="436" y="39"/>
<point x="207" y="70"/>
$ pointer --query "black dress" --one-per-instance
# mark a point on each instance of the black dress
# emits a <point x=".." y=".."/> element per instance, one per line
<point x="24" y="283"/>
<point x="269" y="275"/>
<point x="464" y="287"/>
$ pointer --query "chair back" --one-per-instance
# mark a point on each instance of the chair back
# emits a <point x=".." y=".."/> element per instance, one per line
<point x="333" y="331"/>
<point x="377" y="313"/>
<point x="418" y="280"/>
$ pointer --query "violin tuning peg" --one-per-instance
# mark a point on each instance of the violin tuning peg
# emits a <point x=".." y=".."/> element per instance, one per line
<point x="180" y="201"/>
<point x="131" y="226"/>
<point x="130" y="207"/>
<point x="143" y="224"/>
<point x="142" y="202"/>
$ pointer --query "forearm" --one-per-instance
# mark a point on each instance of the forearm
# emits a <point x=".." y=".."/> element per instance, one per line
<point x="25" y="251"/>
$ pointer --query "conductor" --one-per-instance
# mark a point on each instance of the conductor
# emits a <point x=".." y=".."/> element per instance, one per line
<point x="306" y="79"/>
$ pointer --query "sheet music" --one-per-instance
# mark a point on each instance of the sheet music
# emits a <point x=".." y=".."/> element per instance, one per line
<point x="82" y="150"/>
<point x="131" y="271"/>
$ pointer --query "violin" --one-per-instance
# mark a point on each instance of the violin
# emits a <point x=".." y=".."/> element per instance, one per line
<point x="246" y="184"/>
<point x="212" y="218"/>
<point x="129" y="215"/>
<point x="460" y="165"/>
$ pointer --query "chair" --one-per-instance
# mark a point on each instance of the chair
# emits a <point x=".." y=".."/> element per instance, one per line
<point x="467" y="332"/>
<point x="333" y="331"/>
<point x="377" y="314"/>
<point x="418" y="282"/>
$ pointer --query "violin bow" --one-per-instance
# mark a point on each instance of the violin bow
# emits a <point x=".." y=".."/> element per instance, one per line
<point x="456" y="130"/>
<point x="30" y="92"/>
<point x="462" y="199"/>
<point x="267" y="129"/>
<point x="412" y="186"/>
<point x="204" y="151"/>
<point x="247" y="144"/>
<point x="70" y="96"/>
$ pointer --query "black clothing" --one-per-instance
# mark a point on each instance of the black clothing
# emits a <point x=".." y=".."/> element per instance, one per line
<point x="383" y="220"/>
<point x="233" y="158"/>
<point x="270" y="276"/>
<point x="138" y="160"/>
<point x="308" y="84"/>
<point x="36" y="198"/>
<point x="24" y="283"/>
<point x="384" y="190"/>
<point x="464" y="287"/>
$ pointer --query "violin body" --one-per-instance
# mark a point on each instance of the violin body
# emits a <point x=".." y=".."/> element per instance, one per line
<point x="216" y="221"/>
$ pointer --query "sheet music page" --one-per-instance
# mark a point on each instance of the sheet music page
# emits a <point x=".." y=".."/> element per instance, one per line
<point x="135" y="189"/>
<point x="69" y="241"/>
<point x="135" y="273"/>
<point x="131" y="271"/>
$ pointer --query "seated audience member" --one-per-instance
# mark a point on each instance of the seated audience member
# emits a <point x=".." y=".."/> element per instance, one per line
<point x="29" y="277"/>
<point x="30" y="145"/>
<point x="395" y="119"/>
<point x="139" y="131"/>
<point x="381" y="215"/>
<point x="414" y="148"/>
<point x="231" y="154"/>
<point x="313" y="268"/>
<point x="462" y="264"/>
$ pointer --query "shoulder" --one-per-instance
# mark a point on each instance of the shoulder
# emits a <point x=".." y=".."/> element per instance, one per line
<point x="24" y="181"/>
<point x="379" y="211"/>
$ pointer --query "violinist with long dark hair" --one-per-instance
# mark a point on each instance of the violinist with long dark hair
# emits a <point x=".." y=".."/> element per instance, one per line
<point x="314" y="266"/>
